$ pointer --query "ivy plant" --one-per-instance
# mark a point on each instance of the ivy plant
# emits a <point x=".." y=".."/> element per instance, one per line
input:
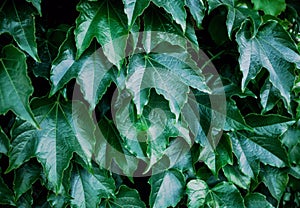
<point x="149" y="103"/>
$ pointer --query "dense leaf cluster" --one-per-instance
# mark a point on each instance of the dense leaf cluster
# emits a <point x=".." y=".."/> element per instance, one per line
<point x="95" y="94"/>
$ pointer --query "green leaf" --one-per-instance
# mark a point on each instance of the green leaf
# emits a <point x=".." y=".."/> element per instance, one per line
<point x="269" y="96"/>
<point x="110" y="148"/>
<point x="170" y="75"/>
<point x="252" y="149"/>
<point x="105" y="22"/>
<point x="291" y="140"/>
<point x="125" y="197"/>
<point x="4" y="142"/>
<point x="269" y="125"/>
<point x="271" y="48"/>
<point x="7" y="196"/>
<point x="65" y="128"/>
<point x="234" y="175"/>
<point x="15" y="84"/>
<point x="166" y="188"/>
<point x="92" y="70"/>
<point x="276" y="180"/>
<point x="37" y="5"/>
<point x="87" y="189"/>
<point x="25" y="177"/>
<point x="25" y="200"/>
<point x="17" y="19"/>
<point x="272" y="7"/>
<point x="160" y="28"/>
<point x="224" y="194"/>
<point x="134" y="8"/>
<point x="176" y="9"/>
<point x="197" y="191"/>
<point x="197" y="10"/>
<point x="255" y="200"/>
<point x="58" y="201"/>
<point x="236" y="15"/>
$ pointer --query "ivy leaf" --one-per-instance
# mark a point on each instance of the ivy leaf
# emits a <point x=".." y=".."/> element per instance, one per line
<point x="15" y="84"/>
<point x="276" y="181"/>
<point x="176" y="9"/>
<point x="197" y="191"/>
<point x="252" y="149"/>
<point x="37" y="5"/>
<point x="58" y="201"/>
<point x="236" y="14"/>
<point x="87" y="189"/>
<point x="197" y="10"/>
<point x="254" y="200"/>
<point x="4" y="142"/>
<point x="291" y="140"/>
<point x="25" y="200"/>
<point x="64" y="126"/>
<point x="225" y="194"/>
<point x="17" y="19"/>
<point x="160" y="28"/>
<point x="234" y="175"/>
<point x="92" y="70"/>
<point x="166" y="188"/>
<point x="110" y="148"/>
<point x="271" y="48"/>
<point x="274" y="7"/>
<point x="7" y="196"/>
<point x="269" y="97"/>
<point x="134" y="8"/>
<point x="25" y="177"/>
<point x="170" y="76"/>
<point x="106" y="23"/>
<point x="125" y="197"/>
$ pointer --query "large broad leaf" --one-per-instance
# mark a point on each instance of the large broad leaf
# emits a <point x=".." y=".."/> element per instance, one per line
<point x="255" y="200"/>
<point x="4" y="142"/>
<point x="15" y="85"/>
<point x="252" y="149"/>
<point x="236" y="15"/>
<point x="134" y="8"/>
<point x="25" y="177"/>
<point x="65" y="128"/>
<point x="125" y="197"/>
<point x="166" y="188"/>
<point x="17" y="19"/>
<point x="6" y="195"/>
<point x="197" y="191"/>
<point x="274" y="7"/>
<point x="87" y="189"/>
<point x="176" y="9"/>
<point x="110" y="149"/>
<point x="170" y="75"/>
<point x="271" y="48"/>
<point x="107" y="23"/>
<point x="160" y="29"/>
<point x="92" y="70"/>
<point x="234" y="175"/>
<point x="197" y="9"/>
<point x="276" y="181"/>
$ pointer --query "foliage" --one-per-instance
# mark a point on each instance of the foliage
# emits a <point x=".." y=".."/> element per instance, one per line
<point x="113" y="103"/>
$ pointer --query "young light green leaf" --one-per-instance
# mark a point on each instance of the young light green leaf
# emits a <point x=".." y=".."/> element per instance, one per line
<point x="234" y="175"/>
<point x="276" y="181"/>
<point x="17" y="19"/>
<point x="170" y="75"/>
<point x="15" y="84"/>
<point x="224" y="194"/>
<point x="197" y="191"/>
<point x="197" y="10"/>
<point x="125" y="197"/>
<point x="64" y="126"/>
<point x="252" y="149"/>
<point x="4" y="142"/>
<point x="254" y="200"/>
<point x="87" y="189"/>
<point x="37" y="5"/>
<point x="274" y="7"/>
<point x="92" y="70"/>
<point x="176" y="9"/>
<point x="271" y="48"/>
<point x="25" y="177"/>
<point x="166" y="189"/>
<point x="134" y="8"/>
<point x="105" y="22"/>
